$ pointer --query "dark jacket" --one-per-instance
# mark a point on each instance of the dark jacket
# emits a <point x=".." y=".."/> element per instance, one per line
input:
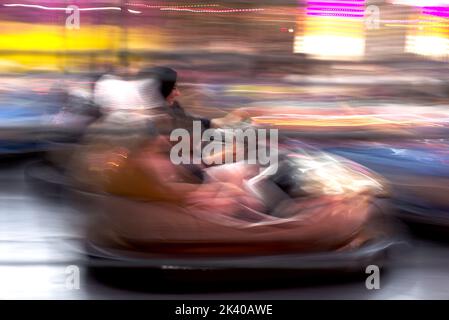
<point x="181" y="118"/>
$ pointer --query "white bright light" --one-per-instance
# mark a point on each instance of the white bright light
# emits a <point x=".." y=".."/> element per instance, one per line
<point x="327" y="46"/>
<point x="421" y="3"/>
<point x="34" y="6"/>
<point x="428" y="45"/>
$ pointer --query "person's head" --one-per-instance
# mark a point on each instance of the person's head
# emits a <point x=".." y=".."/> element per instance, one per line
<point x="167" y="78"/>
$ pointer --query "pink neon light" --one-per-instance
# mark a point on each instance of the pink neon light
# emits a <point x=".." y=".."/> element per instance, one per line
<point x="436" y="11"/>
<point x="436" y="8"/>
<point x="354" y="15"/>
<point x="437" y="14"/>
<point x="334" y="4"/>
<point x="335" y="8"/>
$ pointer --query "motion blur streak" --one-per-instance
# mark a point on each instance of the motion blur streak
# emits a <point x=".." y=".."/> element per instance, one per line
<point x="356" y="91"/>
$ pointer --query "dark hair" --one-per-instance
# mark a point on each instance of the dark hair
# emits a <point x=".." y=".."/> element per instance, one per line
<point x="166" y="76"/>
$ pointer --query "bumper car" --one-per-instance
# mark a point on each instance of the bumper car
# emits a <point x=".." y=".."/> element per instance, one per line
<point x="409" y="148"/>
<point x="37" y="113"/>
<point x="417" y="171"/>
<point x="316" y="213"/>
<point x="24" y="119"/>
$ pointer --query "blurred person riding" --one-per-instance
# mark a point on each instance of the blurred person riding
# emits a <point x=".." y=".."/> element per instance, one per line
<point x="168" y="87"/>
<point x="233" y="203"/>
<point x="173" y="116"/>
<point x="169" y="115"/>
<point x="126" y="152"/>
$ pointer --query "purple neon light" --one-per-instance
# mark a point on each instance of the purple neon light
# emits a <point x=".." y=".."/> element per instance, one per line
<point x="436" y="11"/>
<point x="436" y="8"/>
<point x="336" y="4"/>
<point x="335" y="8"/>
<point x="354" y="15"/>
<point x="437" y="14"/>
<point x="336" y="1"/>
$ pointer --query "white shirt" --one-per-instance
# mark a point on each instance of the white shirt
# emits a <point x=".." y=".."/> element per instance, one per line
<point x="113" y="93"/>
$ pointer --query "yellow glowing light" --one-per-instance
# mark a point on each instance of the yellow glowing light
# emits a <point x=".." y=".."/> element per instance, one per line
<point x="113" y="164"/>
<point x="339" y="121"/>
<point x="36" y="37"/>
<point x="333" y="37"/>
<point x="49" y="47"/>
